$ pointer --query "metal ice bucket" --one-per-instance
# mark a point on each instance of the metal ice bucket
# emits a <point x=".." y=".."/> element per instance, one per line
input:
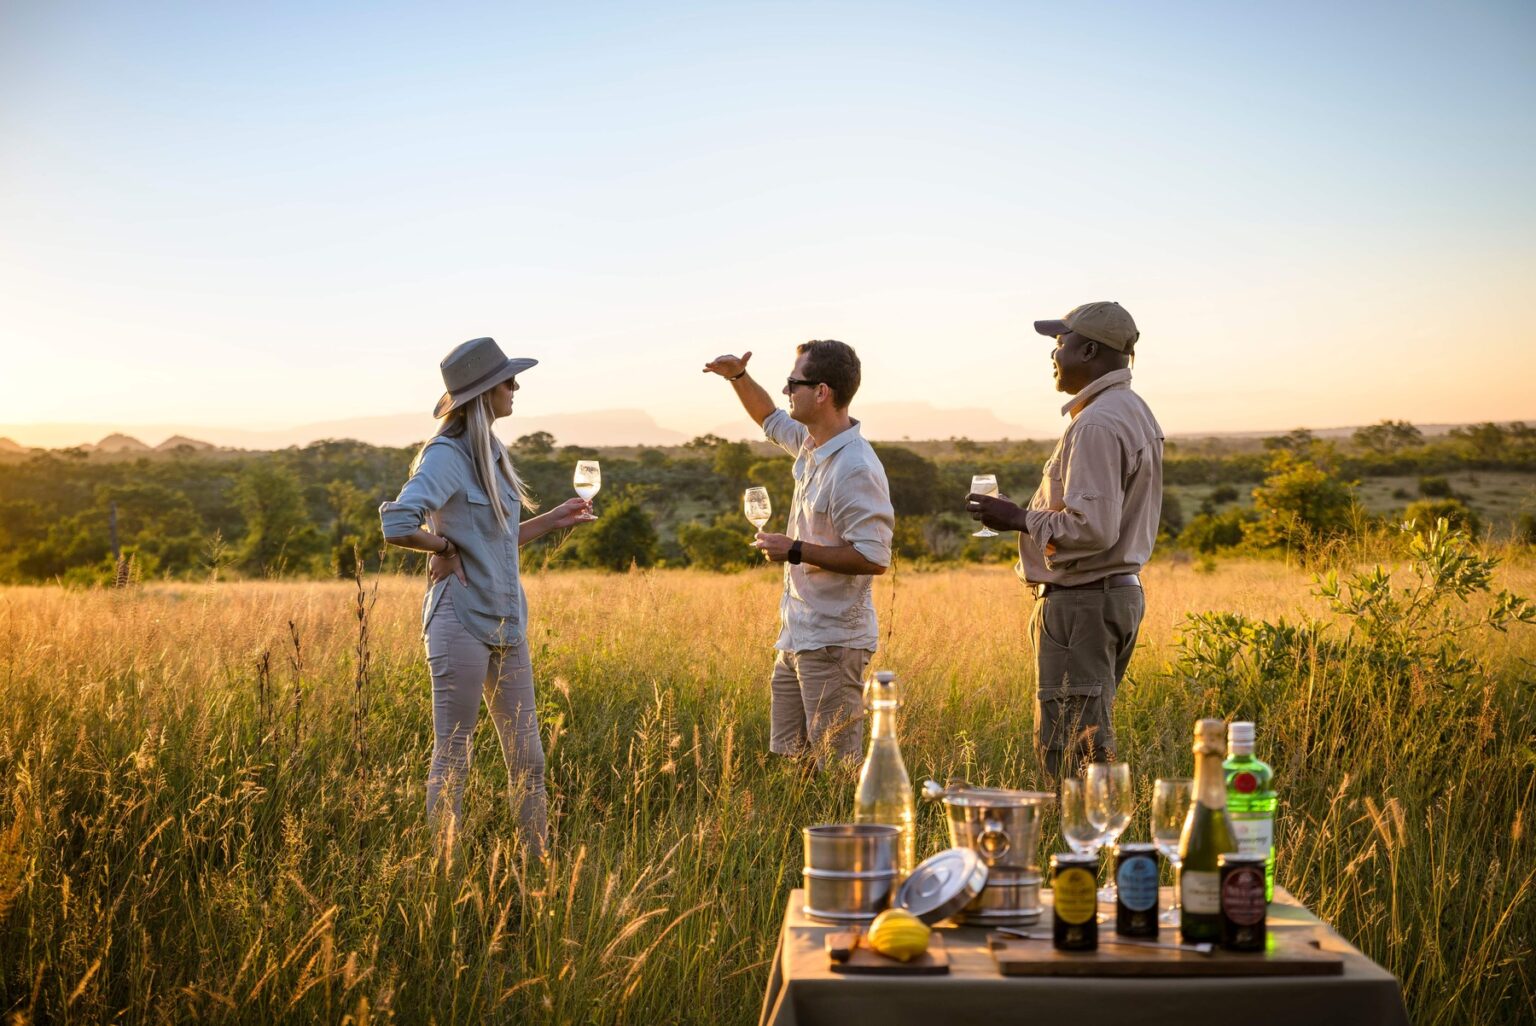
<point x="1002" y="826"/>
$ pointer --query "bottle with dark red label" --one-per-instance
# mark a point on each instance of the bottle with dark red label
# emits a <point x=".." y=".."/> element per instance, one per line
<point x="1136" y="890"/>
<point x="1243" y="908"/>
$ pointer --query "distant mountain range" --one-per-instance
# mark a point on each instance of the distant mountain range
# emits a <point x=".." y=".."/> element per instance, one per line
<point x="881" y="421"/>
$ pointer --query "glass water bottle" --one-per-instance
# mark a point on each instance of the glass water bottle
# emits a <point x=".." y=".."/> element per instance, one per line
<point x="885" y="792"/>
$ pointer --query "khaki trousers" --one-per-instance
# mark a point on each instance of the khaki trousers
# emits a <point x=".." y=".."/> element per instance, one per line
<point x="466" y="670"/>
<point x="1083" y="640"/>
<point x="818" y="702"/>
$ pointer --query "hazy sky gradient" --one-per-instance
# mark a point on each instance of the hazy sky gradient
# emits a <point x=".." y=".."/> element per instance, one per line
<point x="261" y="215"/>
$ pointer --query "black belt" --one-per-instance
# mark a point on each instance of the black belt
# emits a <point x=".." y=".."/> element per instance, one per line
<point x="1102" y="584"/>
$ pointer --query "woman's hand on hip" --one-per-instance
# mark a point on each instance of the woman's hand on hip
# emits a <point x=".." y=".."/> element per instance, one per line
<point x="439" y="567"/>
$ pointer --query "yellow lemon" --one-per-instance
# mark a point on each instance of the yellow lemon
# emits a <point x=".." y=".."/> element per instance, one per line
<point x="897" y="933"/>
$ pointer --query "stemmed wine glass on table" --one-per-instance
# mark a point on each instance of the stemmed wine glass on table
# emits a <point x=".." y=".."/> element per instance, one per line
<point x="1110" y="804"/>
<point x="1077" y="827"/>
<point x="984" y="484"/>
<point x="1170" y="807"/>
<point x="587" y="480"/>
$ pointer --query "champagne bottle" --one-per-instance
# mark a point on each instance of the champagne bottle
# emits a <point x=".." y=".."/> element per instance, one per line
<point x="1207" y="834"/>
<point x="1251" y="800"/>
<point x="885" y="791"/>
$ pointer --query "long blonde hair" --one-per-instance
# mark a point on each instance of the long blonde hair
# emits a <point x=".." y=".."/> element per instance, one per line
<point x="486" y="451"/>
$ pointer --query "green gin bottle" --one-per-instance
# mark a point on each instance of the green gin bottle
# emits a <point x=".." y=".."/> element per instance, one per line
<point x="1251" y="800"/>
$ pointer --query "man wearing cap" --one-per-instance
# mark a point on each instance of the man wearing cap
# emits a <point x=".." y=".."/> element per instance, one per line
<point x="1086" y="534"/>
<point x="838" y="537"/>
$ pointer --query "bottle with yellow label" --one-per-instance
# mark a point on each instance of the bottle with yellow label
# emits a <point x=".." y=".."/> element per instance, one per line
<point x="1075" y="895"/>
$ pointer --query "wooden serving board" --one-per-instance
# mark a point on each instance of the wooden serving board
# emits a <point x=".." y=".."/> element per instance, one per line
<point x="863" y="961"/>
<point x="1288" y="955"/>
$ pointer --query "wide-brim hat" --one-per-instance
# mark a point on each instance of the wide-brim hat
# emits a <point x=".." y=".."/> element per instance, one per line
<point x="472" y="368"/>
<point x="1104" y="322"/>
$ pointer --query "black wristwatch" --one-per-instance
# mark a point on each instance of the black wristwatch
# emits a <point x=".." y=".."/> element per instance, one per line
<point x="794" y="552"/>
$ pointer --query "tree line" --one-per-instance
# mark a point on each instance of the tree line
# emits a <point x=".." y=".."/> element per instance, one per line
<point x="312" y="511"/>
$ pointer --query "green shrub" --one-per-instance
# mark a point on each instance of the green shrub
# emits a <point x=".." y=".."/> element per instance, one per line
<point x="1427" y="512"/>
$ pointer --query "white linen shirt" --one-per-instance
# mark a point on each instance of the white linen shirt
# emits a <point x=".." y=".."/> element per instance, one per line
<point x="1096" y="511"/>
<point x="841" y="498"/>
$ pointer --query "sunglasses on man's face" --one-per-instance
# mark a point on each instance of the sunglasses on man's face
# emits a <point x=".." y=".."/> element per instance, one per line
<point x="796" y="382"/>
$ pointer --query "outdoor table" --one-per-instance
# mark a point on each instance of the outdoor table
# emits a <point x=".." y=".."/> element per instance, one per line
<point x="803" y="990"/>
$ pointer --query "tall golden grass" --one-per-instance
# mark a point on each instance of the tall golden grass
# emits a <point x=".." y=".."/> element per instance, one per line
<point x="211" y="810"/>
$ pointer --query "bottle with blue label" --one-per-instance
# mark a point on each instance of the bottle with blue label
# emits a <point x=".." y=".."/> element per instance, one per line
<point x="1136" y="890"/>
<point x="1251" y="800"/>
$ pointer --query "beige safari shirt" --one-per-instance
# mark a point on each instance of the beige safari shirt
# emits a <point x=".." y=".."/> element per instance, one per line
<point x="1097" y="508"/>
<point x="841" y="498"/>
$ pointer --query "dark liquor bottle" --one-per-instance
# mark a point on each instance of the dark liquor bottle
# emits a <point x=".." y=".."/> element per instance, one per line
<point x="1207" y="835"/>
<point x="1251" y="800"/>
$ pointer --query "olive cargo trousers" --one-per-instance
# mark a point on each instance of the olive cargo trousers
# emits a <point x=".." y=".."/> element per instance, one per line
<point x="1083" y="640"/>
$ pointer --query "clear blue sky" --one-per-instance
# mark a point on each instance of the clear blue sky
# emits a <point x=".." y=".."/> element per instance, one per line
<point x="265" y="214"/>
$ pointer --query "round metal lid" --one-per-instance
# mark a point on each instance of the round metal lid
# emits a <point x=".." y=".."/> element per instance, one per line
<point x="942" y="884"/>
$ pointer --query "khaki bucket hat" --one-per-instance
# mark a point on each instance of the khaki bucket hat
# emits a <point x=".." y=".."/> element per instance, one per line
<point x="1104" y="322"/>
<point x="472" y="368"/>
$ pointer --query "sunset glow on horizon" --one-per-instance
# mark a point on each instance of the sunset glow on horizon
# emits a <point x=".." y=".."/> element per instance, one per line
<point x="262" y="217"/>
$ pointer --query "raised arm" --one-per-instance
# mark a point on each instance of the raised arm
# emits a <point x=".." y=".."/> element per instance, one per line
<point x="754" y="398"/>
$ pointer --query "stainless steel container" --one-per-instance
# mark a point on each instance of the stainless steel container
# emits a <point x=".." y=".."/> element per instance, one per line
<point x="1011" y="897"/>
<point x="1003" y="827"/>
<point x="850" y="870"/>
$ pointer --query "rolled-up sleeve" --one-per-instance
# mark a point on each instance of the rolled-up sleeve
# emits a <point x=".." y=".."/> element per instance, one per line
<point x="781" y="429"/>
<point x="1094" y="496"/>
<point x="863" y="517"/>
<point x="436" y="480"/>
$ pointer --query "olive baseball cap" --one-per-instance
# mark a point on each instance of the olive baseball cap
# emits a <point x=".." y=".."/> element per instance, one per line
<point x="1104" y="322"/>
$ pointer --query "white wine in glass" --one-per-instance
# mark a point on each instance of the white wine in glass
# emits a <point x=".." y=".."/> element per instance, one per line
<point x="587" y="480"/>
<point x="984" y="484"/>
<point x="755" y="504"/>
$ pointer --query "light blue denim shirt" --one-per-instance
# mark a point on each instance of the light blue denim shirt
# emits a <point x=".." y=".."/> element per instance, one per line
<point x="445" y="495"/>
<point x="841" y="498"/>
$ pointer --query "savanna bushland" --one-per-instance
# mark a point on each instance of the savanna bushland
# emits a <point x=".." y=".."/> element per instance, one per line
<point x="211" y="776"/>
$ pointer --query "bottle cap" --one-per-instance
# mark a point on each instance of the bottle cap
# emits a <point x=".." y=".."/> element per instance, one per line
<point x="881" y="692"/>
<point x="1240" y="736"/>
<point x="1210" y="735"/>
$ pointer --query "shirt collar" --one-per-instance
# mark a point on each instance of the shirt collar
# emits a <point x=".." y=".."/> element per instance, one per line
<point x="1114" y="379"/>
<point x="823" y="451"/>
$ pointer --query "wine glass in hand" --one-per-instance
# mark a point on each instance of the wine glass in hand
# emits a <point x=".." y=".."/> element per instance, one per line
<point x="755" y="504"/>
<point x="587" y="480"/>
<point x="1170" y="806"/>
<point x="1110" y="804"/>
<point x="984" y="484"/>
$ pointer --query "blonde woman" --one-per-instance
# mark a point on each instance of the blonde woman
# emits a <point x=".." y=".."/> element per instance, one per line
<point x="463" y="505"/>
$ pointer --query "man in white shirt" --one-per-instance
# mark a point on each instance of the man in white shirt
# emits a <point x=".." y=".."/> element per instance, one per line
<point x="1086" y="535"/>
<point x="839" y="537"/>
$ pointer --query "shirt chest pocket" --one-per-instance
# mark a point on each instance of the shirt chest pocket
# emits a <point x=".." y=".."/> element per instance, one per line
<point x="1052" y="476"/>
<point x="818" y="514"/>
